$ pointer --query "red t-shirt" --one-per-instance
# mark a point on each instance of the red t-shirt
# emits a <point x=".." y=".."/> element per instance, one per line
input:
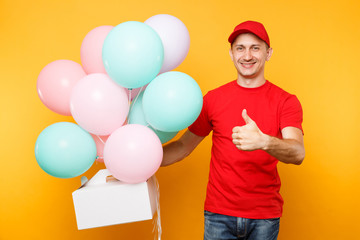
<point x="245" y="183"/>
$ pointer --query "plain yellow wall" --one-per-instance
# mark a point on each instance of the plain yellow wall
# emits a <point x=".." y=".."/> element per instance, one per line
<point x="316" y="56"/>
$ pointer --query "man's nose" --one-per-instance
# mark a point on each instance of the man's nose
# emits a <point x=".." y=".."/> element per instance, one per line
<point x="247" y="55"/>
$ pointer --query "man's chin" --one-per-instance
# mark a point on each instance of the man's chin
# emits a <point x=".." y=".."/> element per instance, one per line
<point x="248" y="75"/>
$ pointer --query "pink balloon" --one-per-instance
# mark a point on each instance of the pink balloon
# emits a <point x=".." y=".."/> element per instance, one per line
<point x="100" y="143"/>
<point x="91" y="50"/>
<point x="98" y="104"/>
<point x="55" y="83"/>
<point x="133" y="153"/>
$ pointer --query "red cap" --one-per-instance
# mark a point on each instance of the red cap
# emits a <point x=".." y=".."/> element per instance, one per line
<point x="250" y="27"/>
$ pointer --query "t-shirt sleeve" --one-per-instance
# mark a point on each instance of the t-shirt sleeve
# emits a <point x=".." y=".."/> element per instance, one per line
<point x="202" y="125"/>
<point x="292" y="113"/>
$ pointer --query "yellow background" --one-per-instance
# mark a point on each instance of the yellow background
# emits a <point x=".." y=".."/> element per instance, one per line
<point x="316" y="56"/>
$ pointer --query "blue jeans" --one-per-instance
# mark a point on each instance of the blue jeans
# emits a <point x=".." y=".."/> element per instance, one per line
<point x="219" y="227"/>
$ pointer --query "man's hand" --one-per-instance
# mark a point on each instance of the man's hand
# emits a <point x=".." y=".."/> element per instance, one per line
<point x="248" y="137"/>
<point x="289" y="149"/>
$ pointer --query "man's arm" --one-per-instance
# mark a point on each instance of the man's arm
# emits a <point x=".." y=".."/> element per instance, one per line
<point x="180" y="149"/>
<point x="290" y="149"/>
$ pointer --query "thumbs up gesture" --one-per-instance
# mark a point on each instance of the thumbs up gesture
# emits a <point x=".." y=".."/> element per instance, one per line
<point x="248" y="137"/>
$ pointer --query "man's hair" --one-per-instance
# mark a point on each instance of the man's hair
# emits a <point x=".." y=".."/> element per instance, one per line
<point x="267" y="46"/>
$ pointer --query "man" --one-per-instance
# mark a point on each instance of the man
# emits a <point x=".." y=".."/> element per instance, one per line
<point x="255" y="124"/>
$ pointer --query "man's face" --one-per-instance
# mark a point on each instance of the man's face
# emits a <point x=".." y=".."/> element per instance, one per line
<point x="249" y="54"/>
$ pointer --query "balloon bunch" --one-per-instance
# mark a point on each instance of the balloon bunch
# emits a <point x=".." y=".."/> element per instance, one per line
<point x="125" y="100"/>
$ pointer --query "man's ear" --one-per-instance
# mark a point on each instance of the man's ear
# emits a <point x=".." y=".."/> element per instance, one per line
<point x="269" y="52"/>
<point x="231" y="54"/>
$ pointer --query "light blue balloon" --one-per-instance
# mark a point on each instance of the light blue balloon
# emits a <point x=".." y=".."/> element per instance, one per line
<point x="132" y="54"/>
<point x="172" y="101"/>
<point x="65" y="150"/>
<point x="136" y="116"/>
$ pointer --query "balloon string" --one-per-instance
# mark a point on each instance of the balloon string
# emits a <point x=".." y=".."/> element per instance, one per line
<point x="130" y="90"/>
<point x="137" y="96"/>
<point x="100" y="139"/>
<point x="131" y="105"/>
<point x="98" y="157"/>
<point x="157" y="228"/>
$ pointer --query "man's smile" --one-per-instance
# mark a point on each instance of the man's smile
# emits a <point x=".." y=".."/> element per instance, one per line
<point x="247" y="64"/>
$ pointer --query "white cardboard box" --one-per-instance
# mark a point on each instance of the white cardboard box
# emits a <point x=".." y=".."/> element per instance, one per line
<point x="99" y="203"/>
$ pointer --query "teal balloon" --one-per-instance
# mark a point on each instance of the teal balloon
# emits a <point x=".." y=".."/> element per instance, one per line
<point x="136" y="116"/>
<point x="132" y="54"/>
<point x="65" y="150"/>
<point x="172" y="101"/>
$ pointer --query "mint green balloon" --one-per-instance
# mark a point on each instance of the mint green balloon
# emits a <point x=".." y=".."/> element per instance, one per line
<point x="65" y="150"/>
<point x="172" y="101"/>
<point x="132" y="54"/>
<point x="136" y="116"/>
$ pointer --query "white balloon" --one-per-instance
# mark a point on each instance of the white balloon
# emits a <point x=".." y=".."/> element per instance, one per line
<point x="175" y="38"/>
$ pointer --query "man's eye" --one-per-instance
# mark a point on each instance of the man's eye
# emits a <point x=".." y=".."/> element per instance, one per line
<point x="239" y="48"/>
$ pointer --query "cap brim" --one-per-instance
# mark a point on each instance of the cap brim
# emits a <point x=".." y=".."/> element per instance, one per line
<point x="238" y="32"/>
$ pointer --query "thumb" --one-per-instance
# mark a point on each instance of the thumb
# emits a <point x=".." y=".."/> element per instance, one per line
<point x="246" y="117"/>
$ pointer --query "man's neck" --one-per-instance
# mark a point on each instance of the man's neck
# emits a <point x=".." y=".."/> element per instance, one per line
<point x="251" y="82"/>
